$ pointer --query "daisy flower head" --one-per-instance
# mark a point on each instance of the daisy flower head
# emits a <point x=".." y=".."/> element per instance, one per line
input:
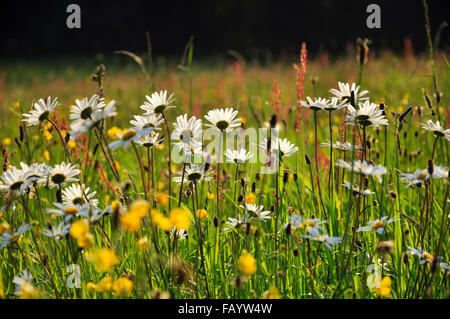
<point x="441" y="172"/>
<point x="345" y="147"/>
<point x="316" y="105"/>
<point x="98" y="115"/>
<point x="424" y="256"/>
<point x="24" y="287"/>
<point x="437" y="129"/>
<point x="61" y="174"/>
<point x="335" y="104"/>
<point x="149" y="140"/>
<point x="187" y="135"/>
<point x="368" y="114"/>
<point x="234" y="223"/>
<point x="158" y="103"/>
<point x="129" y="136"/>
<point x="83" y="109"/>
<point x="193" y="173"/>
<point x="418" y="177"/>
<point x="328" y="241"/>
<point x="40" y="111"/>
<point x="180" y="234"/>
<point x="345" y="91"/>
<point x="223" y="119"/>
<point x="151" y="120"/>
<point x="312" y="225"/>
<point x="7" y="239"/>
<point x="74" y="195"/>
<point x="278" y="146"/>
<point x="356" y="190"/>
<point x="257" y="211"/>
<point x="238" y="157"/>
<point x="68" y="211"/>
<point x="378" y="225"/>
<point x="15" y="180"/>
<point x="364" y="168"/>
<point x="35" y="173"/>
<point x="58" y="232"/>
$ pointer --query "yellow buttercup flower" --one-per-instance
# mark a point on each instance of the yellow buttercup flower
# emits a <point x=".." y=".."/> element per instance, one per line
<point x="104" y="285"/>
<point x="141" y="208"/>
<point x="160" y="220"/>
<point x="202" y="213"/>
<point x="16" y="105"/>
<point x="162" y="198"/>
<point x="123" y="286"/>
<point x="272" y="293"/>
<point x="116" y="205"/>
<point x="71" y="144"/>
<point x="210" y="195"/>
<point x="46" y="155"/>
<point x="113" y="131"/>
<point x="247" y="264"/>
<point x="87" y="241"/>
<point x="385" y="287"/>
<point x="47" y="135"/>
<point x="179" y="218"/>
<point x="6" y="141"/>
<point x="131" y="221"/>
<point x="90" y="287"/>
<point x="79" y="229"/>
<point x="104" y="259"/>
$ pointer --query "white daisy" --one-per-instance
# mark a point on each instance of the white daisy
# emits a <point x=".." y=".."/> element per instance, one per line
<point x="68" y="211"/>
<point x="316" y="105"/>
<point x="36" y="172"/>
<point x="151" y="120"/>
<point x="15" y="180"/>
<point x="424" y="256"/>
<point x="149" y="140"/>
<point x="74" y="195"/>
<point x="285" y="147"/>
<point x="187" y="135"/>
<point x="363" y="168"/>
<point x="418" y="177"/>
<point x="378" y="225"/>
<point x="437" y="129"/>
<point x="158" y="103"/>
<point x="57" y="232"/>
<point x="241" y="156"/>
<point x="356" y="189"/>
<point x="223" y="119"/>
<point x="368" y="114"/>
<point x="312" y="225"/>
<point x="23" y="283"/>
<point x="8" y="238"/>
<point x="83" y="110"/>
<point x="181" y="234"/>
<point x="328" y="241"/>
<point x="193" y="173"/>
<point x="61" y="174"/>
<point x="130" y="135"/>
<point x="335" y="104"/>
<point x="96" y="118"/>
<point x="233" y="223"/>
<point x="41" y="111"/>
<point x="345" y="90"/>
<point x="345" y="147"/>
<point x="257" y="211"/>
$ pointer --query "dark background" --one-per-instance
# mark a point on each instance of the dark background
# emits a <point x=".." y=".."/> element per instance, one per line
<point x="35" y="29"/>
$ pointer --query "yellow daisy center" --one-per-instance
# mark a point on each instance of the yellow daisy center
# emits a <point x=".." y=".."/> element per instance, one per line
<point x="128" y="135"/>
<point x="377" y="225"/>
<point x="71" y="211"/>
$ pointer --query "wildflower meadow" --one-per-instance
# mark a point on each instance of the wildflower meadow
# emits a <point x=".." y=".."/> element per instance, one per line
<point x="305" y="178"/>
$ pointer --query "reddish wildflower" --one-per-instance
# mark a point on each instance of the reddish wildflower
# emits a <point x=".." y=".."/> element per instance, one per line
<point x="300" y="83"/>
<point x="275" y="100"/>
